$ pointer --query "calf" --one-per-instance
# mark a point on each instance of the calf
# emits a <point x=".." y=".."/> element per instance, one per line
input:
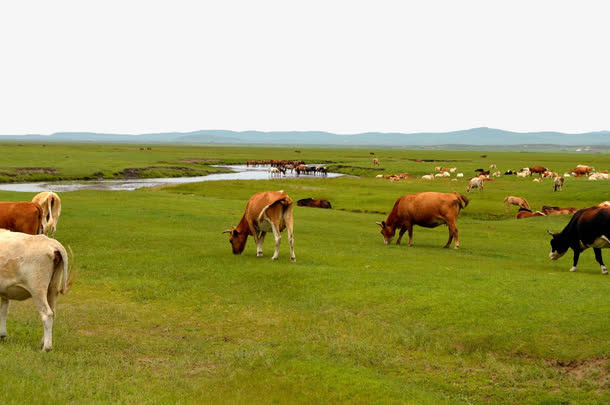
<point x="588" y="228"/>
<point x="518" y="201"/>
<point x="32" y="266"/>
<point x="527" y="213"/>
<point x="558" y="183"/>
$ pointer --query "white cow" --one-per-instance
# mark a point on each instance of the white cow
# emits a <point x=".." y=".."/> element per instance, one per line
<point x="459" y="175"/>
<point x="51" y="210"/>
<point x="475" y="182"/>
<point x="428" y="177"/>
<point x="32" y="266"/>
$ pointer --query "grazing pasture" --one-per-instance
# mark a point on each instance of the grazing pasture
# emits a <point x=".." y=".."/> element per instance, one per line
<point x="162" y="311"/>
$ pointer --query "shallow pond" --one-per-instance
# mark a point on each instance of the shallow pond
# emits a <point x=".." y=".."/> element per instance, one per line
<point x="240" y="172"/>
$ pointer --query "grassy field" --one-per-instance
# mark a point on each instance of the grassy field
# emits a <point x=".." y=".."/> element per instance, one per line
<point x="161" y="311"/>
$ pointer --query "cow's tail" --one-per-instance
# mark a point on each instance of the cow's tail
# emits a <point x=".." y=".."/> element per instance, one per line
<point x="285" y="201"/>
<point x="68" y="274"/>
<point x="462" y="201"/>
<point x="527" y="205"/>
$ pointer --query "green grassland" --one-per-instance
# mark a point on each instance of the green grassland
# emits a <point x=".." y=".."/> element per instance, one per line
<point x="161" y="311"/>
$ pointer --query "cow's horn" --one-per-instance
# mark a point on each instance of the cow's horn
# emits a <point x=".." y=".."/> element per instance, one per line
<point x="550" y="233"/>
<point x="228" y="231"/>
<point x="379" y="223"/>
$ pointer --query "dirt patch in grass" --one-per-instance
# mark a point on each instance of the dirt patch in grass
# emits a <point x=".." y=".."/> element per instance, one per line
<point x="597" y="370"/>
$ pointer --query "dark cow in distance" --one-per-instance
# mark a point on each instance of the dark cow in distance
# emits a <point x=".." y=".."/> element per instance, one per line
<point x="269" y="211"/>
<point x="427" y="209"/>
<point x="24" y="216"/>
<point x="310" y="202"/>
<point x="588" y="228"/>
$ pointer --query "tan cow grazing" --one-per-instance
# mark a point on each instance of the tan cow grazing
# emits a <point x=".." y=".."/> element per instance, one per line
<point x="518" y="201"/>
<point x="21" y="216"/>
<point x="51" y="210"/>
<point x="475" y="182"/>
<point x="375" y="162"/>
<point x="558" y="183"/>
<point x="427" y="209"/>
<point x="32" y="266"/>
<point x="269" y="211"/>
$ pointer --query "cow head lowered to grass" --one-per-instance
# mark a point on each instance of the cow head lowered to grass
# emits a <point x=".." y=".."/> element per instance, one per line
<point x="589" y="227"/>
<point x="427" y="209"/>
<point x="269" y="211"/>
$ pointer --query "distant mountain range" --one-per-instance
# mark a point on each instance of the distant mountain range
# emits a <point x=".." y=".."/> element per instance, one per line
<point x="475" y="136"/>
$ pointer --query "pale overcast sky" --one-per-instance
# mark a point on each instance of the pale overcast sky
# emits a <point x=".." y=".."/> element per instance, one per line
<point x="340" y="66"/>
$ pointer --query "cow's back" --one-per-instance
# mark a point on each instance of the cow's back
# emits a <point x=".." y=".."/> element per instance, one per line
<point x="22" y="216"/>
<point x="427" y="208"/>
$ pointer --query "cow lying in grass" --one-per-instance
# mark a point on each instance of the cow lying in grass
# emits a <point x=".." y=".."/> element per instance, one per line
<point x="527" y="213"/>
<point x="310" y="202"/>
<point x="269" y="211"/>
<point x="427" y="209"/>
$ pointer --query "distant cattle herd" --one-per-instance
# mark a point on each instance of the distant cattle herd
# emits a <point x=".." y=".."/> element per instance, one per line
<point x="32" y="264"/>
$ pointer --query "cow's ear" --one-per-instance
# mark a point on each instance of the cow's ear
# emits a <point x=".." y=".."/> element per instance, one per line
<point x="235" y="233"/>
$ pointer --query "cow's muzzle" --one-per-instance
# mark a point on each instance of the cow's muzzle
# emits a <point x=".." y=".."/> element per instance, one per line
<point x="554" y="255"/>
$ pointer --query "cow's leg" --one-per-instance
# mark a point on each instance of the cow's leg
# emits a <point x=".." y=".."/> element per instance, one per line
<point x="46" y="315"/>
<point x="598" y="257"/>
<point x="402" y="232"/>
<point x="278" y="239"/>
<point x="291" y="241"/>
<point x="576" y="256"/>
<point x="3" y="314"/>
<point x="410" y="231"/>
<point x="259" y="244"/>
<point x="453" y="233"/>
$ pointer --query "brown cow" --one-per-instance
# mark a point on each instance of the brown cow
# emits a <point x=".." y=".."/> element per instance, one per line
<point x="527" y="213"/>
<point x="518" y="201"/>
<point x="427" y="209"/>
<point x="269" y="211"/>
<point x="310" y="202"/>
<point x="375" y="162"/>
<point x="24" y="216"/>
<point x="537" y="169"/>
<point x="582" y="170"/>
<point x="548" y="210"/>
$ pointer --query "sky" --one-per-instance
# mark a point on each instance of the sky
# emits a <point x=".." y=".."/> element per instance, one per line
<point x="135" y="67"/>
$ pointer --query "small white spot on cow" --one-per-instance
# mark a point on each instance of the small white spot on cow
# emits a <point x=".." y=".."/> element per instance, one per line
<point x="554" y="255"/>
<point x="604" y="270"/>
<point x="573" y="269"/>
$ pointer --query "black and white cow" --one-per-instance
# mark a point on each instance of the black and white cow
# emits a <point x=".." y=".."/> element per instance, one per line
<point x="589" y="227"/>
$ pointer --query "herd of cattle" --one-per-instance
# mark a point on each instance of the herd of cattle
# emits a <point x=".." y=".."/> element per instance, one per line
<point x="32" y="264"/>
<point x="281" y="167"/>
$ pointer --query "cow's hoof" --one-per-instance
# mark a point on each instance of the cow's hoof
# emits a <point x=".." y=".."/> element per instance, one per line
<point x="2" y="337"/>
<point x="573" y="269"/>
<point x="259" y="255"/>
<point x="294" y="259"/>
<point x="274" y="258"/>
<point x="604" y="270"/>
